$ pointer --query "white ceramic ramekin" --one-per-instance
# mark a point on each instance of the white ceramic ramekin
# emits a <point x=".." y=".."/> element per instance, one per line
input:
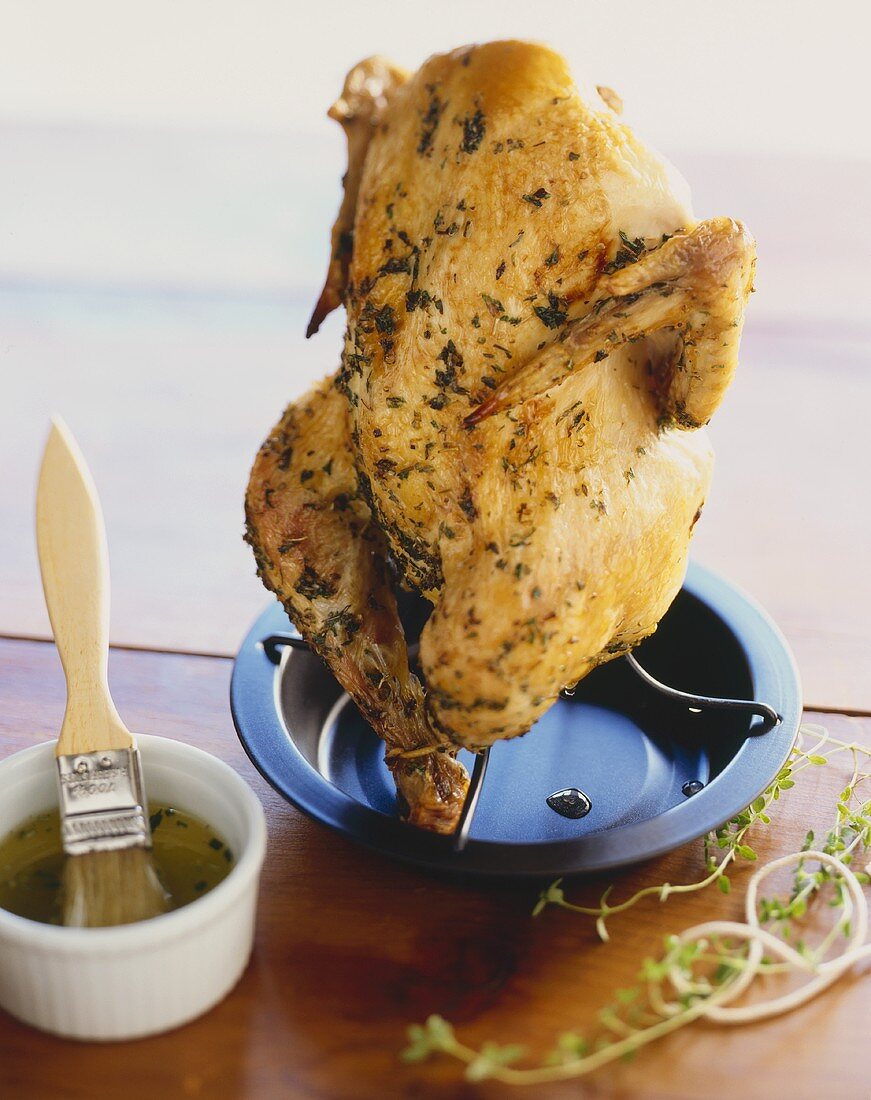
<point x="137" y="979"/>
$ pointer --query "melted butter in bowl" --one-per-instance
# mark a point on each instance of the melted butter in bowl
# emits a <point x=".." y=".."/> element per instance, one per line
<point x="190" y="858"/>
<point x="138" y="979"/>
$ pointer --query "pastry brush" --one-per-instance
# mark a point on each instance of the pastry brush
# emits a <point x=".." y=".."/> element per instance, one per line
<point x="109" y="876"/>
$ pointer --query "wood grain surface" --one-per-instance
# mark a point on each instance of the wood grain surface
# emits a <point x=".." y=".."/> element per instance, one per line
<point x="351" y="948"/>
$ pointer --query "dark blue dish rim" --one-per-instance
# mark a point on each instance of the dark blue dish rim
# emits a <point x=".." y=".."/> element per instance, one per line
<point x="775" y="680"/>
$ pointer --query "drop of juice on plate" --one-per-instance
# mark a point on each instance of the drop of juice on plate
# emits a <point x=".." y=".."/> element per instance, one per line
<point x="570" y="802"/>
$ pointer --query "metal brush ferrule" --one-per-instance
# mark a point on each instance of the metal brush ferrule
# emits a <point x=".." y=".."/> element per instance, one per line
<point x="102" y="802"/>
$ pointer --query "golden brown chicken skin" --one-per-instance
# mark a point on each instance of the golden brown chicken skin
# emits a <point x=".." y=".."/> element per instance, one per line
<point x="538" y="330"/>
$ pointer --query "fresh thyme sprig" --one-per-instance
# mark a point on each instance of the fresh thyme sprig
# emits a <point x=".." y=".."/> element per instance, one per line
<point x="707" y="967"/>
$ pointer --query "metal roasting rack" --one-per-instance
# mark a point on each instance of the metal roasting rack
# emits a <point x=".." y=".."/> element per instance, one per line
<point x="274" y="643"/>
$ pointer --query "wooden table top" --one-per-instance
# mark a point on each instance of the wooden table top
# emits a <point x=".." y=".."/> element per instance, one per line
<point x="170" y="365"/>
<point x="352" y="947"/>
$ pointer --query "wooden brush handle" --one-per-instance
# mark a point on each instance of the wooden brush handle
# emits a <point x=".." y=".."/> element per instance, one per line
<point x="75" y="578"/>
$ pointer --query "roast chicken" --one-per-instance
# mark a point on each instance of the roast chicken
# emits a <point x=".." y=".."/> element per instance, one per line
<point x="537" y="332"/>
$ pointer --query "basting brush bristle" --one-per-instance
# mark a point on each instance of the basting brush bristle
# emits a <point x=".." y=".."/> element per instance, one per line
<point x="115" y="887"/>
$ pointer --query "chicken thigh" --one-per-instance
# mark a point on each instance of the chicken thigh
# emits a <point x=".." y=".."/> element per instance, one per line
<point x="538" y="331"/>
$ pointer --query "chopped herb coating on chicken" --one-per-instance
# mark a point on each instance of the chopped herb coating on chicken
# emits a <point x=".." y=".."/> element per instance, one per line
<point x="537" y="332"/>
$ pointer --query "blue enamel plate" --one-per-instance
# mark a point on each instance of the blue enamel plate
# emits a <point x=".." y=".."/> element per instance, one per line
<point x="646" y="772"/>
